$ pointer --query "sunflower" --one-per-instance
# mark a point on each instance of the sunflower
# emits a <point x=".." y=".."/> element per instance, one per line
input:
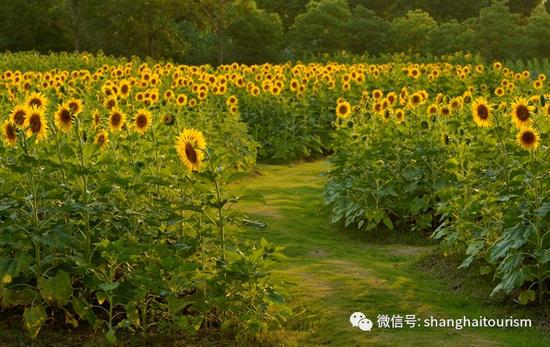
<point x="481" y="111"/>
<point x="18" y="115"/>
<point x="9" y="132"/>
<point x="232" y="101"/>
<point x="63" y="117"/>
<point x="96" y="118"/>
<point x="521" y="113"/>
<point x="37" y="100"/>
<point x="75" y="106"/>
<point x="528" y="138"/>
<point x="116" y="119"/>
<point x="343" y="109"/>
<point x="168" y="119"/>
<point x="399" y="115"/>
<point x="142" y="122"/>
<point x="36" y="124"/>
<point x="110" y="102"/>
<point x="102" y="139"/>
<point x="181" y="100"/>
<point x="499" y="91"/>
<point x="190" y="146"/>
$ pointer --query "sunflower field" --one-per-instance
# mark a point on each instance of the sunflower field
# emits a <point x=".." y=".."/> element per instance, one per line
<point x="113" y="207"/>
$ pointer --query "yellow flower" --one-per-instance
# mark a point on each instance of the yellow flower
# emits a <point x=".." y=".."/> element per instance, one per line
<point x="63" y="117"/>
<point x="116" y="119"/>
<point x="521" y="113"/>
<point x="528" y="138"/>
<point x="36" y="123"/>
<point x="343" y="109"/>
<point x="9" y="132"/>
<point x="481" y="111"/>
<point x="102" y="139"/>
<point x="142" y="122"/>
<point x="190" y="146"/>
<point x="6" y="279"/>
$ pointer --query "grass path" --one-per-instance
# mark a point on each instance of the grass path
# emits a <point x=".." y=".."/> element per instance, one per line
<point x="332" y="274"/>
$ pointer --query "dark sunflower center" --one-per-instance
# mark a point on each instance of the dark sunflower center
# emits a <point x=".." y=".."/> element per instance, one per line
<point x="35" y="102"/>
<point x="35" y="123"/>
<point x="528" y="138"/>
<point x="74" y="107"/>
<point x="343" y="109"/>
<point x="141" y="121"/>
<point x="101" y="139"/>
<point x="522" y="112"/>
<point x="10" y="132"/>
<point x="445" y="111"/>
<point x="65" y="116"/>
<point x="115" y="119"/>
<point x="415" y="99"/>
<point x="110" y="104"/>
<point x="482" y="112"/>
<point x="19" y="117"/>
<point x="190" y="153"/>
<point x="124" y="89"/>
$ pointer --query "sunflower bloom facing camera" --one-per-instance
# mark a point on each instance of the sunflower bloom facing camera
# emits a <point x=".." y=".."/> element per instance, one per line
<point x="190" y="146"/>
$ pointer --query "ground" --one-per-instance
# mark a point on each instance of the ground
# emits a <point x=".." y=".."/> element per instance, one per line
<point x="331" y="273"/>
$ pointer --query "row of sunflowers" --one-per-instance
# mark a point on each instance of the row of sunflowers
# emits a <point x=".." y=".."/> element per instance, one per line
<point x="464" y="159"/>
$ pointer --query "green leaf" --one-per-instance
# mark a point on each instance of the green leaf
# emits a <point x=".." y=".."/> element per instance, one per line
<point x="110" y="336"/>
<point x="34" y="317"/>
<point x="58" y="288"/>
<point x="526" y="296"/>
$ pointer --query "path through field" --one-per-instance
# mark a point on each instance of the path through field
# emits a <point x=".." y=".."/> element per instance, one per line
<point x="332" y="274"/>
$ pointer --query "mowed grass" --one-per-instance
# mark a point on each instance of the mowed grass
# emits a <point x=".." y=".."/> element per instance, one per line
<point x="330" y="273"/>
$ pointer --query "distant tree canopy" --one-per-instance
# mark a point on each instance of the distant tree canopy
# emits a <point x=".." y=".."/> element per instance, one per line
<point x="216" y="31"/>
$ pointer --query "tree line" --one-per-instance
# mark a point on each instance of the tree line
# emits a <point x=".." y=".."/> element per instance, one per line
<point x="221" y="31"/>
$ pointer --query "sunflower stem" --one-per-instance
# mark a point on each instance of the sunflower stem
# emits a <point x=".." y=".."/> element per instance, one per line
<point x="87" y="230"/>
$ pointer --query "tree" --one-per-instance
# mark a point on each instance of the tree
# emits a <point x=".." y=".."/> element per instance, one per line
<point x="411" y="32"/>
<point x="366" y="31"/>
<point x="538" y="32"/>
<point x="322" y="28"/>
<point x="287" y="10"/>
<point x="498" y="33"/>
<point x="257" y="36"/>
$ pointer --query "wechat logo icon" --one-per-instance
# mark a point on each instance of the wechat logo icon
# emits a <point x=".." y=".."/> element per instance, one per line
<point x="359" y="320"/>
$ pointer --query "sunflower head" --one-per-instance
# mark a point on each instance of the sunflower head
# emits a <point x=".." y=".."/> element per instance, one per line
<point x="36" y="124"/>
<point x="9" y="133"/>
<point x="190" y="146"/>
<point x="521" y="113"/>
<point x="528" y="138"/>
<point x="75" y="106"/>
<point x="18" y="115"/>
<point x="102" y="139"/>
<point x="37" y="100"/>
<point x="343" y="109"/>
<point x="142" y="121"/>
<point x="116" y="119"/>
<point x="481" y="112"/>
<point x="63" y="117"/>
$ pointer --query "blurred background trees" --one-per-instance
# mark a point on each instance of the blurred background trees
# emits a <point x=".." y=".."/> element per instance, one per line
<point x="221" y="31"/>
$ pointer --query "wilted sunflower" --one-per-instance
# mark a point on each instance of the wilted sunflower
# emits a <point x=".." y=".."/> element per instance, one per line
<point x="18" y="115"/>
<point x="343" y="109"/>
<point x="36" y="124"/>
<point x="190" y="146"/>
<point x="9" y="132"/>
<point x="102" y="139"/>
<point x="116" y="119"/>
<point x="481" y="111"/>
<point x="521" y="113"/>
<point x="142" y="122"/>
<point x="63" y="117"/>
<point x="168" y="119"/>
<point x="528" y="138"/>
<point x="37" y="100"/>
